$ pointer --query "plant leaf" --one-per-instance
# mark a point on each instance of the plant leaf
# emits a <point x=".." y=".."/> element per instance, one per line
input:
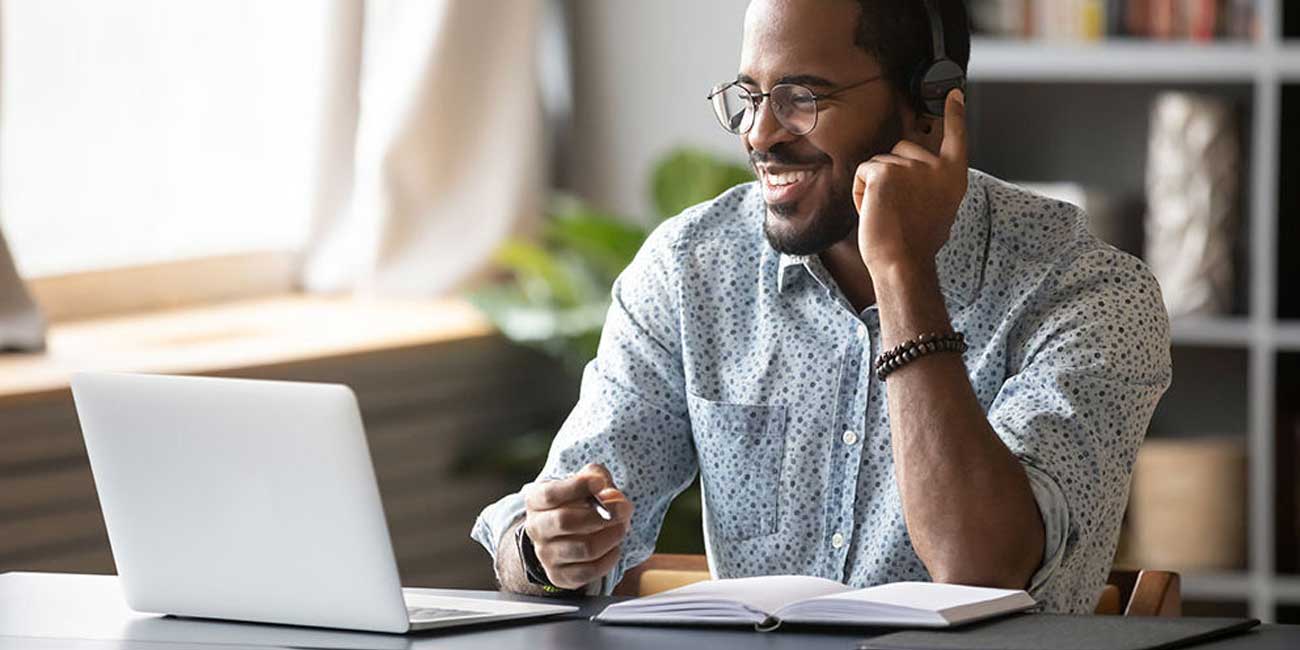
<point x="541" y="275"/>
<point x="686" y="177"/>
<point x="607" y="244"/>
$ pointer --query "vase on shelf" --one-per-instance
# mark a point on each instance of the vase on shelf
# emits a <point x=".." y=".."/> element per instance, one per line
<point x="1192" y="187"/>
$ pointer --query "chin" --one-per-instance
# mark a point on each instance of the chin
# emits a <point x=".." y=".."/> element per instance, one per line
<point x="805" y="228"/>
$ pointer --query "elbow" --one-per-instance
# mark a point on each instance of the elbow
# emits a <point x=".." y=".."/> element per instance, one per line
<point x="1008" y="572"/>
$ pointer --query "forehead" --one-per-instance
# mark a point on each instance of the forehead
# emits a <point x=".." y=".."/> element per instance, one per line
<point x="789" y="37"/>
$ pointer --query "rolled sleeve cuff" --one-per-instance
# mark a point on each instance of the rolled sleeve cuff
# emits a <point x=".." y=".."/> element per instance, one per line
<point x="1055" y="512"/>
<point x="496" y="520"/>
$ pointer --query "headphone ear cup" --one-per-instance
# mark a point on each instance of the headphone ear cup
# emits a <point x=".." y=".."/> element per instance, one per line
<point x="933" y="83"/>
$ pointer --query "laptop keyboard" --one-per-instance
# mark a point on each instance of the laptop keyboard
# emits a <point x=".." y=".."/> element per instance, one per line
<point x="427" y="614"/>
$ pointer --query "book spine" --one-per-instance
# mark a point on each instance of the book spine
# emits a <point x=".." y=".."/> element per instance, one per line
<point x="1092" y="20"/>
<point x="1162" y="19"/>
<point x="1138" y="18"/>
<point x="1115" y="18"/>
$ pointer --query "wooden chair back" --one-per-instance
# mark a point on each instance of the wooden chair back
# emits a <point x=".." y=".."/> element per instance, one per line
<point x="1128" y="592"/>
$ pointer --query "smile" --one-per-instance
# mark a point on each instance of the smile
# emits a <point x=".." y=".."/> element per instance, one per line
<point x="787" y="185"/>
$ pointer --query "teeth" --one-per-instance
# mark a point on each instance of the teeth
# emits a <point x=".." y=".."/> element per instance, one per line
<point x="788" y="178"/>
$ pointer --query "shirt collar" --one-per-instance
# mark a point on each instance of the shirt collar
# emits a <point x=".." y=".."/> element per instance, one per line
<point x="960" y="262"/>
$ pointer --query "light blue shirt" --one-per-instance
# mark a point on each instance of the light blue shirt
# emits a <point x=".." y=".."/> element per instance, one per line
<point x="724" y="357"/>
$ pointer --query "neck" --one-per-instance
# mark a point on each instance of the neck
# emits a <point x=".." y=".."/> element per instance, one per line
<point x="843" y="261"/>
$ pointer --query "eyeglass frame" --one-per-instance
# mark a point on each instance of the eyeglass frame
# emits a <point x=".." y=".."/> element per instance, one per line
<point x="756" y="100"/>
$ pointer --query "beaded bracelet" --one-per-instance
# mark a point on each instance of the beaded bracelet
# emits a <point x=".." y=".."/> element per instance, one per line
<point x="905" y="352"/>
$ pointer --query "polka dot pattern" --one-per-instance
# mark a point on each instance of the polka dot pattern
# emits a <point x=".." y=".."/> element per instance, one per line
<point x="723" y="357"/>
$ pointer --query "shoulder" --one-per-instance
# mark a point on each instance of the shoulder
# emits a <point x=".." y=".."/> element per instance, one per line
<point x="1028" y="227"/>
<point x="1079" y="288"/>
<point x="1033" y="235"/>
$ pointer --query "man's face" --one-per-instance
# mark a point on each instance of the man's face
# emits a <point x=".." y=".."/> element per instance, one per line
<point x="807" y="180"/>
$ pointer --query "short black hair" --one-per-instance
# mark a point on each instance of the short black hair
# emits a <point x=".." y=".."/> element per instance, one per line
<point x="897" y="34"/>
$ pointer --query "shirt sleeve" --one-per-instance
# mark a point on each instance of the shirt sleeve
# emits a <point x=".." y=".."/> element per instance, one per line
<point x="631" y="414"/>
<point x="1090" y="362"/>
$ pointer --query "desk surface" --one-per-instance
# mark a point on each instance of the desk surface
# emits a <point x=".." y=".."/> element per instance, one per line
<point x="44" y="611"/>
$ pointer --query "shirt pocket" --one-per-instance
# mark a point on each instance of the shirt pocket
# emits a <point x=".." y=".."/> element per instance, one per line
<point x="741" y="450"/>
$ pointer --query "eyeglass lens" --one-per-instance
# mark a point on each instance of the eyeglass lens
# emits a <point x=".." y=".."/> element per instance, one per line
<point x="794" y="107"/>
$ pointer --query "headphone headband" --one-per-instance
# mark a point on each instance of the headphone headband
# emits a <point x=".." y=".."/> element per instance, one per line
<point x="937" y="42"/>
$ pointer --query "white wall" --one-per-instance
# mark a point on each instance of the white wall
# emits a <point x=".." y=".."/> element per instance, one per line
<point x="642" y="70"/>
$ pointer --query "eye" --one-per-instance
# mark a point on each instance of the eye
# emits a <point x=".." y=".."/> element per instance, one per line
<point x="803" y="102"/>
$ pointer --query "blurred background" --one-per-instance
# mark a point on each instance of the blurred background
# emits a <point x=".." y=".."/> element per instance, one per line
<point x="429" y="200"/>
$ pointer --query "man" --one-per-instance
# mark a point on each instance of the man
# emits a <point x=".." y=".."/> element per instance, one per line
<point x="799" y="342"/>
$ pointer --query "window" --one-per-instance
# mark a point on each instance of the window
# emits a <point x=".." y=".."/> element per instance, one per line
<point x="143" y="131"/>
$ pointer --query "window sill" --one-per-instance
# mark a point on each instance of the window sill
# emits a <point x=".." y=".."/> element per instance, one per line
<point x="230" y="336"/>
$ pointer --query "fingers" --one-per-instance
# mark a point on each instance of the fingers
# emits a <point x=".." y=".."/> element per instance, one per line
<point x="892" y="159"/>
<point x="576" y="576"/>
<point x="591" y="480"/>
<point x="569" y="520"/>
<point x="580" y="549"/>
<point x="953" y="149"/>
<point x="913" y="152"/>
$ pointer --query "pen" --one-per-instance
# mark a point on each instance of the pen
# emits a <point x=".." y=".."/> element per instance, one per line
<point x="601" y="509"/>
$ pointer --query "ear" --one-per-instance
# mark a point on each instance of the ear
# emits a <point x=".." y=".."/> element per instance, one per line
<point x="925" y="130"/>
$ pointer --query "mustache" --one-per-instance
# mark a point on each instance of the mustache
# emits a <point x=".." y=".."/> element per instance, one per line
<point x="781" y="155"/>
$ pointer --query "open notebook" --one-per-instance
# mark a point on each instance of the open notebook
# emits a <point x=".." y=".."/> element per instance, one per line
<point x="767" y="601"/>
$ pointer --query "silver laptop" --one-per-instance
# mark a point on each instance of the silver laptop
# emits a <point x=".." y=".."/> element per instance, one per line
<point x="252" y="501"/>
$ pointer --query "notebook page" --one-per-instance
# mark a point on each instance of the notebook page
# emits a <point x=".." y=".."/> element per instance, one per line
<point x="764" y="594"/>
<point x="918" y="597"/>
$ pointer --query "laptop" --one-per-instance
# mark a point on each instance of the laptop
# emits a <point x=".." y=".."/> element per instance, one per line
<point x="253" y="500"/>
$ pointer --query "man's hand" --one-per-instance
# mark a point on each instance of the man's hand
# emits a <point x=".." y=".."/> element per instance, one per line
<point x="574" y="544"/>
<point x="907" y="200"/>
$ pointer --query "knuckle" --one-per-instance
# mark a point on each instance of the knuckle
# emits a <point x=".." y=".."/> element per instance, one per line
<point x="568" y="520"/>
<point x="583" y="548"/>
<point x="531" y="496"/>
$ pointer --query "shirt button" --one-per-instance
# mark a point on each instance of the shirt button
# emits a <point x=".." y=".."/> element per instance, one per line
<point x="850" y="438"/>
<point x="862" y="332"/>
<point x="837" y="540"/>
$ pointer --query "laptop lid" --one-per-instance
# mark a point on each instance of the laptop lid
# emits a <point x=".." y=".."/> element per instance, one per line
<point x="241" y="499"/>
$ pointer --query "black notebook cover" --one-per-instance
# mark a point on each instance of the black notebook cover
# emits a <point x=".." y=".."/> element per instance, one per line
<point x="1065" y="632"/>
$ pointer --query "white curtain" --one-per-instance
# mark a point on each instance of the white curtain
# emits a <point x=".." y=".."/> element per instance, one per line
<point x="432" y="153"/>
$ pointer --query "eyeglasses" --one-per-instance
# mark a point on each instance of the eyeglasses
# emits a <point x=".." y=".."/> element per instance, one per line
<point x="793" y="105"/>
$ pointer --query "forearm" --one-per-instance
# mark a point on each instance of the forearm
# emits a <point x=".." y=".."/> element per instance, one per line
<point x="968" y="505"/>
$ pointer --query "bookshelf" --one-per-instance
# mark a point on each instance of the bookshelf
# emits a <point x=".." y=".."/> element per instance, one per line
<point x="1049" y="111"/>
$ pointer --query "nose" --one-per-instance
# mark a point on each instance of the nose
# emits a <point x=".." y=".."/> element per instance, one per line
<point x="767" y="130"/>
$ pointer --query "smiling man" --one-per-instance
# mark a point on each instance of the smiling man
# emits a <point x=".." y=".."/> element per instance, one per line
<point x="883" y="365"/>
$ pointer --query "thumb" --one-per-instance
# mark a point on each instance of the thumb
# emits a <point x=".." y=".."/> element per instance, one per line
<point x="601" y="485"/>
<point x="953" y="149"/>
<point x="597" y="478"/>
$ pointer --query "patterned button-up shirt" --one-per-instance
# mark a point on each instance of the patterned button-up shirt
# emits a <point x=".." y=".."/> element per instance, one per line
<point x="724" y="357"/>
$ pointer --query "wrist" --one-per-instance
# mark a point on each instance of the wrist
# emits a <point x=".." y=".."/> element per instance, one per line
<point x="902" y="274"/>
<point x="532" y="567"/>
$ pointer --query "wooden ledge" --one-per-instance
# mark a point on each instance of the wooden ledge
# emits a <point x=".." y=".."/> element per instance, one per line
<point x="235" y="335"/>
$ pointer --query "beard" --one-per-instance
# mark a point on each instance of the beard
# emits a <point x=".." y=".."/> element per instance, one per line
<point x="835" y="219"/>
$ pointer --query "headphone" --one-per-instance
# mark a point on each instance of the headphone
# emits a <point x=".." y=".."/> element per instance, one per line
<point x="938" y="76"/>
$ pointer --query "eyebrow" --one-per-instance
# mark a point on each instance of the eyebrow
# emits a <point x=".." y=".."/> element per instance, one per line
<point x="802" y="79"/>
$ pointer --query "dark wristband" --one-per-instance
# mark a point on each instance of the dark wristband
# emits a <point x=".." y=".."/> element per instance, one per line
<point x="533" y="568"/>
<point x="907" y="351"/>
